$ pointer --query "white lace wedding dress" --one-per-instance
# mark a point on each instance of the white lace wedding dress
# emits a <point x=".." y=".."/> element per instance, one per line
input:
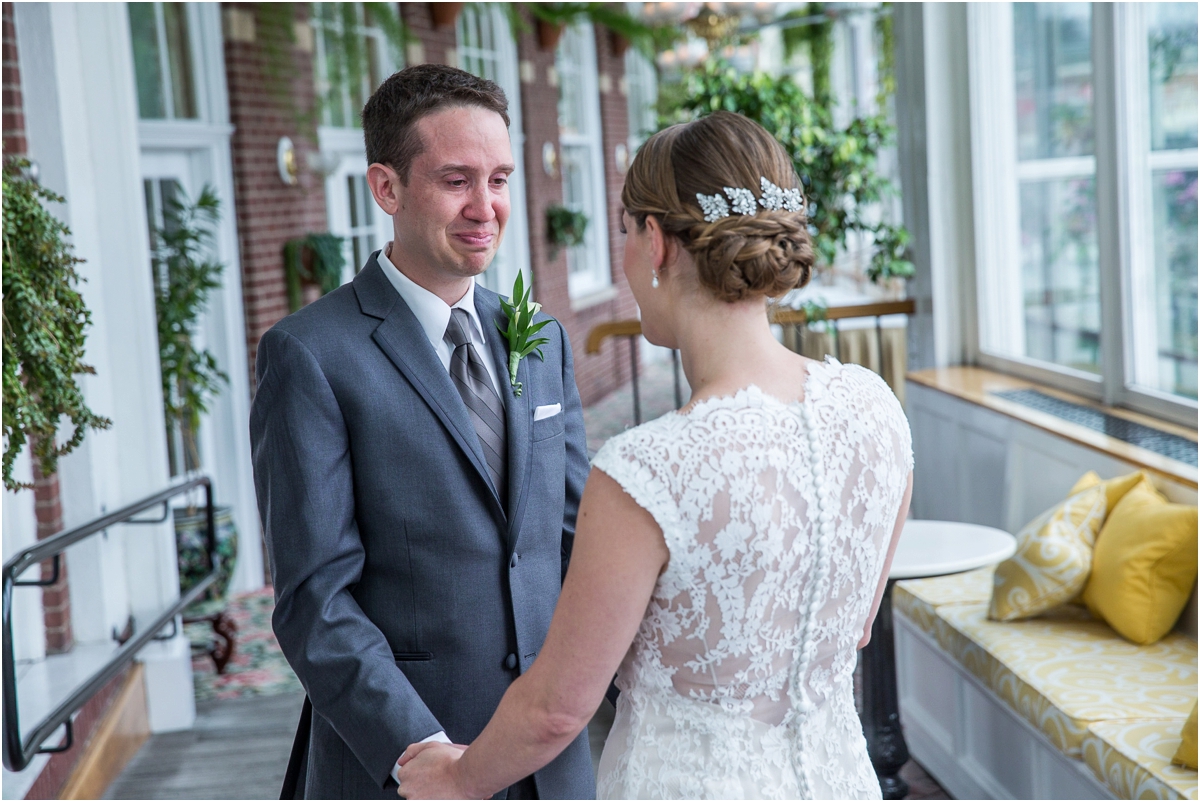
<point x="739" y="683"/>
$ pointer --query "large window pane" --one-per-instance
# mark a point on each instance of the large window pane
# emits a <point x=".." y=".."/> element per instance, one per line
<point x="1053" y="64"/>
<point x="1060" y="272"/>
<point x="1175" y="279"/>
<point x="179" y="52"/>
<point x="147" y="61"/>
<point x="1171" y="41"/>
<point x="350" y="61"/>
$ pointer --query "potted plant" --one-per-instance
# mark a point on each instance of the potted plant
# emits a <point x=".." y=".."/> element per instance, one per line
<point x="185" y="275"/>
<point x="445" y="14"/>
<point x="45" y="321"/>
<point x="565" y="228"/>
<point x="312" y="267"/>
<point x="552" y="18"/>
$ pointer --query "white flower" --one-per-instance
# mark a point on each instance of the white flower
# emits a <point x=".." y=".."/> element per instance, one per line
<point x="713" y="206"/>
<point x="743" y="200"/>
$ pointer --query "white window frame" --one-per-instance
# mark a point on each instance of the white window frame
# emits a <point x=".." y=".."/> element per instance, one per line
<point x="513" y="255"/>
<point x="641" y="86"/>
<point x="596" y="277"/>
<point x="343" y="152"/>
<point x="205" y="143"/>
<point x="201" y="98"/>
<point x="1124" y="222"/>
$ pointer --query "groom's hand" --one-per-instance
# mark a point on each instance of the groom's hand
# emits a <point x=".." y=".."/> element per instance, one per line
<point x="428" y="771"/>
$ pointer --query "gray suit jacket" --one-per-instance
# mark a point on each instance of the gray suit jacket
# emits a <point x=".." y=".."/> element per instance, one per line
<point x="408" y="597"/>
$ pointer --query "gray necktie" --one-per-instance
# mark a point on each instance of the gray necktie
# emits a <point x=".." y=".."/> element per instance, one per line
<point x="475" y="386"/>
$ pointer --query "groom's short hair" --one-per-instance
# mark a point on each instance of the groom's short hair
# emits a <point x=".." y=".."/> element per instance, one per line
<point x="390" y="116"/>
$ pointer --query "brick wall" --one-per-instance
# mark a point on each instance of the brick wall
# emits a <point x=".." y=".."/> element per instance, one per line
<point x="58" y="769"/>
<point x="263" y="109"/>
<point x="56" y="599"/>
<point x="14" y="115"/>
<point x="600" y="374"/>
<point x="433" y="44"/>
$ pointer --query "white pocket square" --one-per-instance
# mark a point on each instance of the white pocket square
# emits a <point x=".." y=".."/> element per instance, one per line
<point x="548" y="411"/>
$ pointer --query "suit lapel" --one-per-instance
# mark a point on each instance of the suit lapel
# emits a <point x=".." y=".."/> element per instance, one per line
<point x="516" y="408"/>
<point x="402" y="339"/>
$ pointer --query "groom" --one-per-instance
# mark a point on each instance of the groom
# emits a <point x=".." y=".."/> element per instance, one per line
<point x="419" y="513"/>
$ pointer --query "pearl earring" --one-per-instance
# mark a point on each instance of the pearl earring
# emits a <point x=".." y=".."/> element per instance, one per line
<point x="654" y="279"/>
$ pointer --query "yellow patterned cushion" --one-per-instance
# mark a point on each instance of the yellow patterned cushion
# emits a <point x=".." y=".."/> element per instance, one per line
<point x="1054" y="550"/>
<point x="1186" y="754"/>
<point x="919" y="598"/>
<point x="1133" y="758"/>
<point x="1063" y="670"/>
<point x="1144" y="566"/>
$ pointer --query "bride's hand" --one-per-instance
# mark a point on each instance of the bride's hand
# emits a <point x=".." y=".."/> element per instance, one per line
<point x="428" y="771"/>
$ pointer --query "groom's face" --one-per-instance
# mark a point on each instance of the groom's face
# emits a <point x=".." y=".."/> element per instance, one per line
<point x="452" y="213"/>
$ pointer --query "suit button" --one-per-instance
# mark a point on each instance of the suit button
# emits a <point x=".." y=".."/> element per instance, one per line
<point x="513" y="562"/>
<point x="510" y="662"/>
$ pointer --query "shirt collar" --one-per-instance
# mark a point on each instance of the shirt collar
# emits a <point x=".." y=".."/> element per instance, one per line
<point x="431" y="311"/>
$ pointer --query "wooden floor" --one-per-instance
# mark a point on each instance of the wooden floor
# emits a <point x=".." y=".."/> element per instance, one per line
<point x="238" y="750"/>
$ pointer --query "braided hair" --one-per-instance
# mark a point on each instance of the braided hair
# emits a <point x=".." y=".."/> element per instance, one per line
<point x="740" y="256"/>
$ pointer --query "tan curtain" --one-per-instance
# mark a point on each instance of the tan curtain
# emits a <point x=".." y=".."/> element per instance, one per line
<point x="857" y="346"/>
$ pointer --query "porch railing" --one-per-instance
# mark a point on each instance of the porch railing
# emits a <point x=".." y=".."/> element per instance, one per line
<point x="632" y="329"/>
<point x="18" y="752"/>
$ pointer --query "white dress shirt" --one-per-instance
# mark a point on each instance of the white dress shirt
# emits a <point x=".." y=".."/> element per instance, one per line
<point x="434" y="316"/>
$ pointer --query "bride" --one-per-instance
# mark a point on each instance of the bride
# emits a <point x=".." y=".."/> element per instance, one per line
<point x="729" y="557"/>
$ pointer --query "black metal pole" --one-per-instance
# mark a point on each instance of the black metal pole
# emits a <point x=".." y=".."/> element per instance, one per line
<point x="633" y="366"/>
<point x="881" y="703"/>
<point x="675" y="370"/>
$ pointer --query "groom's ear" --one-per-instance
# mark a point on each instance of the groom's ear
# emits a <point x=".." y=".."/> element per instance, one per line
<point x="385" y="186"/>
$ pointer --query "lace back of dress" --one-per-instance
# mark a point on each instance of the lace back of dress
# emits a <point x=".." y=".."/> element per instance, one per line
<point x="777" y="516"/>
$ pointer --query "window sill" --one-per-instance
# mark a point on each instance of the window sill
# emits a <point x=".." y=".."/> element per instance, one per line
<point x="978" y="385"/>
<point x="594" y="298"/>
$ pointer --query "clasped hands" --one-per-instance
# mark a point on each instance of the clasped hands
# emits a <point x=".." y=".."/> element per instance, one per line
<point x="429" y="770"/>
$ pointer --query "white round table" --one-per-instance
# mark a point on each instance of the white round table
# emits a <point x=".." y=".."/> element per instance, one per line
<point x="926" y="548"/>
<point x="934" y="548"/>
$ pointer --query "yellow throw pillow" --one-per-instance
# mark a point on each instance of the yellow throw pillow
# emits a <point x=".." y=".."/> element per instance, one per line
<point x="1054" y="551"/>
<point x="1115" y="489"/>
<point x="1186" y="754"/>
<point x="1144" y="565"/>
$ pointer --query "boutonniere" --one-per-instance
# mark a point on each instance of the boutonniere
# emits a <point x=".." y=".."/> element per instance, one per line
<point x="521" y="329"/>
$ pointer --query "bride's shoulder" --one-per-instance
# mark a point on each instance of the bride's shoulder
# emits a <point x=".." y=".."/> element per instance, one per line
<point x="857" y="390"/>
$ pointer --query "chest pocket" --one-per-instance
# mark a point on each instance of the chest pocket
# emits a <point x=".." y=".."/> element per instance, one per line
<point x="548" y="427"/>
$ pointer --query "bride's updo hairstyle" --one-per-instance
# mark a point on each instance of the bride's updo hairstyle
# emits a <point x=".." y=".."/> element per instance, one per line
<point x="739" y="256"/>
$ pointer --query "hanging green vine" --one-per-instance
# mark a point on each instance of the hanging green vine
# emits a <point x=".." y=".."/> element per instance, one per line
<point x="817" y="37"/>
<point x="885" y="37"/>
<point x="347" y="59"/>
<point x="45" y="321"/>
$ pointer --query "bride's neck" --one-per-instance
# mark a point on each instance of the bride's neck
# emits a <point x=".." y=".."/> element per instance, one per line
<point x="725" y="346"/>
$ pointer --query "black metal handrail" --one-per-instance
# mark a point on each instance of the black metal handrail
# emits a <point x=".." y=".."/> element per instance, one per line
<point x="18" y="754"/>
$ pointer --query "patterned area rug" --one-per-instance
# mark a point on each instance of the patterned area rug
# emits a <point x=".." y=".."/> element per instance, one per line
<point x="258" y="667"/>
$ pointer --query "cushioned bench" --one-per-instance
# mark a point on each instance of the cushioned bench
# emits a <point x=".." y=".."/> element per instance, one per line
<point x="1099" y="700"/>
